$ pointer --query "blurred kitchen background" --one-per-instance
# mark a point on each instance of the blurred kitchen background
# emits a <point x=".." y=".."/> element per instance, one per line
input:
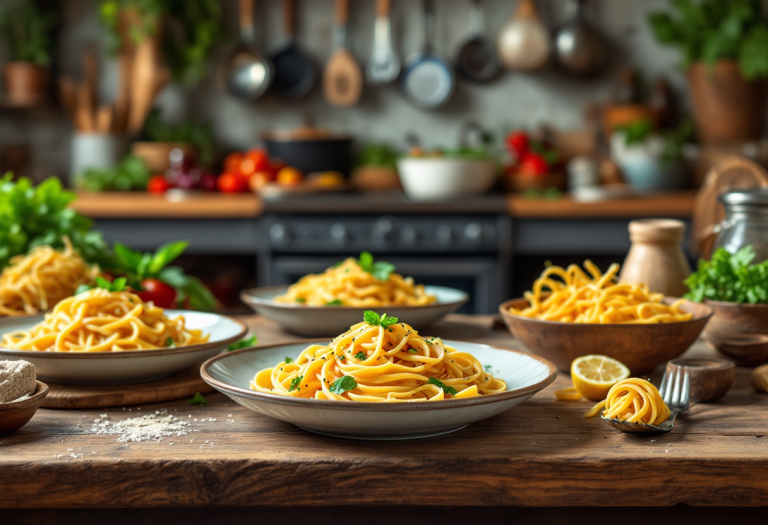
<point x="563" y="121"/>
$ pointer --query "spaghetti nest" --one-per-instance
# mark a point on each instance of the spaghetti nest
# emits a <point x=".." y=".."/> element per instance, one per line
<point x="40" y="279"/>
<point x="99" y="320"/>
<point x="348" y="284"/>
<point x="379" y="360"/>
<point x="633" y="400"/>
<point x="596" y="298"/>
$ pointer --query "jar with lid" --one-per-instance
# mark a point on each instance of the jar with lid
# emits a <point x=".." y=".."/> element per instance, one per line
<point x="656" y="257"/>
<point x="745" y="223"/>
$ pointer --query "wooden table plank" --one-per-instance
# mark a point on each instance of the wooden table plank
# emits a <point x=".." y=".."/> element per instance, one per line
<point x="542" y="453"/>
<point x="139" y="205"/>
<point x="668" y="204"/>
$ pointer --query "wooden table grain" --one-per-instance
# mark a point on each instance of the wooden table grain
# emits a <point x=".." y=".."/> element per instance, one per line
<point x="541" y="454"/>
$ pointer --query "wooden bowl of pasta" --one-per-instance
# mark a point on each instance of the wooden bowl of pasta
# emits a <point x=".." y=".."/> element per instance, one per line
<point x="641" y="347"/>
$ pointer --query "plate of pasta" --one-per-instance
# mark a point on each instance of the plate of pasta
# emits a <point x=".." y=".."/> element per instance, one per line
<point x="325" y="304"/>
<point x="571" y="312"/>
<point x="379" y="379"/>
<point x="105" y="336"/>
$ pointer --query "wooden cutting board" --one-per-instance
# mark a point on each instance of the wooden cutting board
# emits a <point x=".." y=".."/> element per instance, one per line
<point x="177" y="386"/>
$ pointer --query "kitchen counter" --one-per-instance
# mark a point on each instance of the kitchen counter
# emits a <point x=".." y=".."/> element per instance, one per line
<point x="541" y="454"/>
<point x="143" y="205"/>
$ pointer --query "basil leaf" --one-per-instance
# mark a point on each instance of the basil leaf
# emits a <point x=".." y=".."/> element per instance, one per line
<point x="198" y="399"/>
<point x="288" y="360"/>
<point x="101" y="282"/>
<point x="143" y="267"/>
<point x="301" y="300"/>
<point x="343" y="384"/>
<point x="372" y="318"/>
<point x="128" y="258"/>
<point x="118" y="285"/>
<point x="170" y="343"/>
<point x="200" y="297"/>
<point x="247" y="342"/>
<point x="165" y="254"/>
<point x="296" y="383"/>
<point x="366" y="261"/>
<point x="83" y="288"/>
<point x="439" y="384"/>
<point x="382" y="270"/>
<point x="335" y="302"/>
<point x="386" y="322"/>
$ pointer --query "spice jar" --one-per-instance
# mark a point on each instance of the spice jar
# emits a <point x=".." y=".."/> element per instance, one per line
<point x="656" y="257"/>
<point x="745" y="223"/>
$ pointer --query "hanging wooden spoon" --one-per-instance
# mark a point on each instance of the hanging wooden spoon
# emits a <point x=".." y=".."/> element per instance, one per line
<point x="343" y="78"/>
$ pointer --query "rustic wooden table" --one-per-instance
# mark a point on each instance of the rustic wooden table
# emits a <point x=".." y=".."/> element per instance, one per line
<point x="540" y="454"/>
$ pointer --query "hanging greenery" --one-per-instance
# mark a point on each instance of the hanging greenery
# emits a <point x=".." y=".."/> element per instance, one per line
<point x="27" y="28"/>
<point x="189" y="31"/>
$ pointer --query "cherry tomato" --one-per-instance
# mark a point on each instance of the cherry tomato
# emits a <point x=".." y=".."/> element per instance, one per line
<point x="259" y="158"/>
<point x="232" y="162"/>
<point x="158" y="292"/>
<point x="158" y="184"/>
<point x="289" y="176"/>
<point x="533" y="165"/>
<point x="518" y="142"/>
<point x="231" y="183"/>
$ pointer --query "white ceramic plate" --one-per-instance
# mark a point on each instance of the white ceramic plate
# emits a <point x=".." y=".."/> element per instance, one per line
<point x="524" y="374"/>
<point x="318" y="321"/>
<point x="109" y="368"/>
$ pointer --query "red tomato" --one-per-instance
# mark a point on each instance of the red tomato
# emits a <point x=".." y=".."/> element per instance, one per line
<point x="259" y="158"/>
<point x="158" y="292"/>
<point x="231" y="183"/>
<point x="232" y="162"/>
<point x="158" y="184"/>
<point x="532" y="165"/>
<point x="518" y="142"/>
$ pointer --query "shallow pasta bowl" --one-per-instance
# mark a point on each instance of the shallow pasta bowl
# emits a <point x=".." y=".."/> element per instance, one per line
<point x="109" y="368"/>
<point x="524" y="374"/>
<point x="641" y="347"/>
<point x="316" y="321"/>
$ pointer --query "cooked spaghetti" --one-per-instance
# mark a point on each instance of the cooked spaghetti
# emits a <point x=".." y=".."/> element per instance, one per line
<point x="40" y="279"/>
<point x="102" y="321"/>
<point x="596" y="298"/>
<point x="633" y="400"/>
<point x="375" y="361"/>
<point x="349" y="284"/>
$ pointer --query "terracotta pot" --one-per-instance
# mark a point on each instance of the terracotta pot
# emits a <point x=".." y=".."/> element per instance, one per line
<point x="726" y="107"/>
<point x="25" y="83"/>
<point x="739" y="331"/>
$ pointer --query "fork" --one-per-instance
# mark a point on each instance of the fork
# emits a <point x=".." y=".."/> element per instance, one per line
<point x="675" y="391"/>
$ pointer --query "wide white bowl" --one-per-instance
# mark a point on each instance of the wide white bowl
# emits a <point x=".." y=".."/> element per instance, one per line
<point x="524" y="374"/>
<point x="110" y="368"/>
<point x="438" y="178"/>
<point x="316" y="321"/>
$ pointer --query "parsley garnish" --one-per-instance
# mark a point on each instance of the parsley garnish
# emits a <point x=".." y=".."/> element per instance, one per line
<point x="439" y="384"/>
<point x="373" y="319"/>
<point x="296" y="384"/>
<point x="118" y="285"/>
<point x="170" y="342"/>
<point x="288" y="360"/>
<point x="301" y="300"/>
<point x="342" y="357"/>
<point x="488" y="367"/>
<point x="343" y="384"/>
<point x="243" y="343"/>
<point x="412" y="350"/>
<point x="381" y="270"/>
<point x="335" y="302"/>
<point x="198" y="399"/>
<point x="360" y="356"/>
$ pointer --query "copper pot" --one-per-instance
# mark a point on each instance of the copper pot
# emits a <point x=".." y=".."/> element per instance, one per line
<point x="726" y="107"/>
<point x="25" y="83"/>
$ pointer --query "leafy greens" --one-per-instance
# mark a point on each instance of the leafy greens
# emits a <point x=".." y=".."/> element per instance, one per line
<point x="730" y="277"/>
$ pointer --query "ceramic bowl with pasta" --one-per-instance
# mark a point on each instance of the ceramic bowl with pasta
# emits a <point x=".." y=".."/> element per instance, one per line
<point x="379" y="381"/>
<point x="109" y="337"/>
<point x="326" y="303"/>
<point x="570" y="313"/>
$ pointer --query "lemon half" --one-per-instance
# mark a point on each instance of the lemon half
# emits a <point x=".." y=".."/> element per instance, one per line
<point x="594" y="375"/>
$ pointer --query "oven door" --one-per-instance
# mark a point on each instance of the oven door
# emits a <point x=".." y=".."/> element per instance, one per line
<point x="481" y="277"/>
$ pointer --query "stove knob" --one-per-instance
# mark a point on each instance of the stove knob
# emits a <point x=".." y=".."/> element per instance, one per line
<point x="279" y="233"/>
<point x="444" y="234"/>
<point x="339" y="232"/>
<point x="384" y="229"/>
<point x="408" y="235"/>
<point x="473" y="232"/>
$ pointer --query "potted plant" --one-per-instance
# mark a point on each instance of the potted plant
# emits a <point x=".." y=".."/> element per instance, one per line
<point x="26" y="28"/>
<point x="651" y="159"/>
<point x="725" y="52"/>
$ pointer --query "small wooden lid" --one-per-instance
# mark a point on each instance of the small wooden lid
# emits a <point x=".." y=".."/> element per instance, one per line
<point x="656" y="230"/>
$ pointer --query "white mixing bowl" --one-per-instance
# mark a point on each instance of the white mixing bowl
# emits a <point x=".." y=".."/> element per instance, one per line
<point x="436" y="178"/>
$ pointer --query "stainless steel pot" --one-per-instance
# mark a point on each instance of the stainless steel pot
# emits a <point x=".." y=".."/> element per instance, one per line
<point x="745" y="223"/>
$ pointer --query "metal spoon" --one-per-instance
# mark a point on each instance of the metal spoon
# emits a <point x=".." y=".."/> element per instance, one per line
<point x="247" y="73"/>
<point x="384" y="64"/>
<point x="675" y="391"/>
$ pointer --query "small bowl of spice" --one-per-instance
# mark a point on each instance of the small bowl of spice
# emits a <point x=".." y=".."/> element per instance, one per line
<point x="20" y="395"/>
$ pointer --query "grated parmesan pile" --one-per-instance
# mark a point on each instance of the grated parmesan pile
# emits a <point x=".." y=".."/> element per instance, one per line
<point x="150" y="427"/>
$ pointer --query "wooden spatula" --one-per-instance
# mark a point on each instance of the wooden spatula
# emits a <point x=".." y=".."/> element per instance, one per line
<point x="343" y="79"/>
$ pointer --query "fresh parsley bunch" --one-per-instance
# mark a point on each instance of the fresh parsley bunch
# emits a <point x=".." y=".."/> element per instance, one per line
<point x="730" y="277"/>
<point x="381" y="270"/>
<point x="373" y="319"/>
